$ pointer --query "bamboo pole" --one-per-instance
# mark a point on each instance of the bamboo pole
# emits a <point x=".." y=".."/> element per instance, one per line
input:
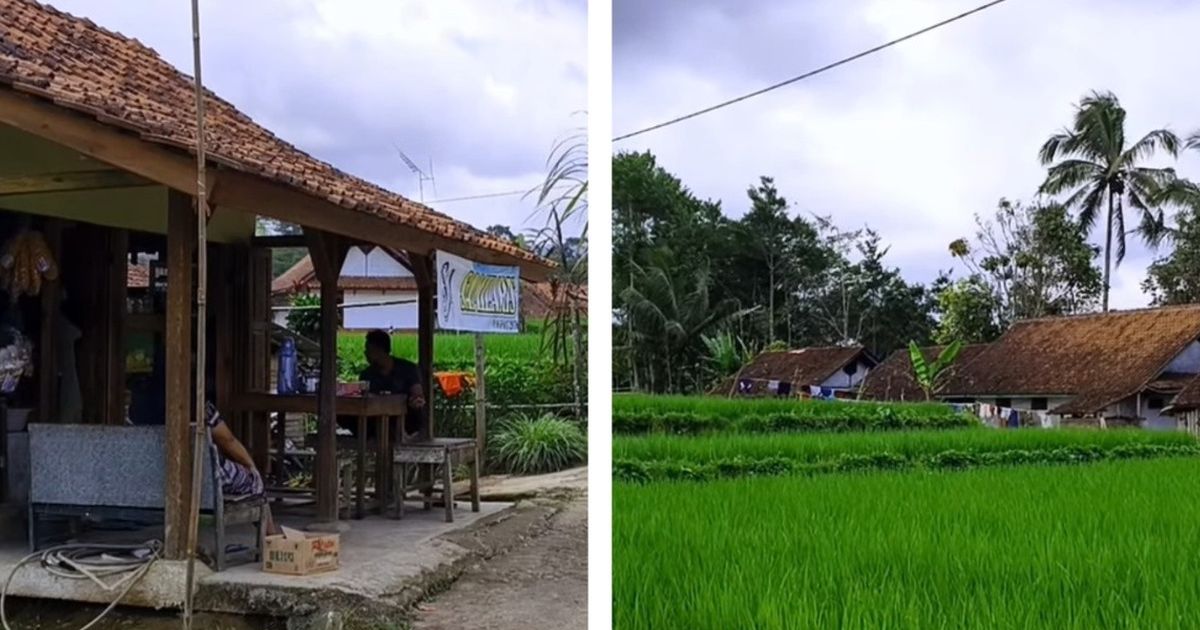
<point x="200" y="430"/>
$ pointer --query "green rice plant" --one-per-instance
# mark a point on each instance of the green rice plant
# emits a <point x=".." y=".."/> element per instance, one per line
<point x="696" y="414"/>
<point x="1107" y="545"/>
<point x="529" y="445"/>
<point x="658" y="457"/>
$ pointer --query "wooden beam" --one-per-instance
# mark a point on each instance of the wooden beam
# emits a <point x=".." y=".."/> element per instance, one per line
<point x="237" y="190"/>
<point x="246" y="192"/>
<point x="181" y="245"/>
<point x="72" y="181"/>
<point x="279" y="241"/>
<point x="328" y="252"/>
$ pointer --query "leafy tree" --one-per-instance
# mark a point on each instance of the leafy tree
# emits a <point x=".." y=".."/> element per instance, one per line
<point x="1036" y="259"/>
<point x="726" y="353"/>
<point x="968" y="310"/>
<point x="931" y="376"/>
<point x="668" y="316"/>
<point x="1175" y="278"/>
<point x="1093" y="164"/>
<point x="305" y="316"/>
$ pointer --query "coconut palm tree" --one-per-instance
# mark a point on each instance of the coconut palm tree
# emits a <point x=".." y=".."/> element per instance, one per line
<point x="1091" y="162"/>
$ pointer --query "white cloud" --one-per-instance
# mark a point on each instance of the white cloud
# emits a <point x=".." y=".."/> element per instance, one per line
<point x="919" y="138"/>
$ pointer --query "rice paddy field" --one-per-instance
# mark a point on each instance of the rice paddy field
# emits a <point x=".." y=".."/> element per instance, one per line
<point x="1005" y="541"/>
<point x="1109" y="545"/>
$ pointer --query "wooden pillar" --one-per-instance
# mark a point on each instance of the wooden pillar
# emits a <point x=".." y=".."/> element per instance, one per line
<point x="426" y="320"/>
<point x="115" y="294"/>
<point x="48" y="380"/>
<point x="328" y="252"/>
<point x="181" y="245"/>
<point x="480" y="400"/>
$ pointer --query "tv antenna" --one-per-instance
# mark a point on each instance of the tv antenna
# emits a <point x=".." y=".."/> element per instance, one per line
<point x="422" y="176"/>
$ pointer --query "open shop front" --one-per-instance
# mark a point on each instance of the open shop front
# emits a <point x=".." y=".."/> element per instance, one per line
<point x="98" y="355"/>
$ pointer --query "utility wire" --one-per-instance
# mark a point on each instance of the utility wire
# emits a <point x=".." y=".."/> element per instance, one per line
<point x="484" y="196"/>
<point x="808" y="74"/>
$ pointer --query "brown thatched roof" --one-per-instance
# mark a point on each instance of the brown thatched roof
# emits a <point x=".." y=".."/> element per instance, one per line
<point x="1097" y="359"/>
<point x="893" y="379"/>
<point x="1188" y="398"/>
<point x="802" y="367"/>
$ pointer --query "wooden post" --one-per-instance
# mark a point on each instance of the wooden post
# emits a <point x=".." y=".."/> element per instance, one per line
<point x="480" y="400"/>
<point x="181" y="244"/>
<point x="426" y="319"/>
<point x="116" y="292"/>
<point x="48" y="383"/>
<point x="327" y="252"/>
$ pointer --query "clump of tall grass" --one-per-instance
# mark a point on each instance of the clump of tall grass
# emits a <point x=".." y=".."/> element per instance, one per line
<point x="538" y="444"/>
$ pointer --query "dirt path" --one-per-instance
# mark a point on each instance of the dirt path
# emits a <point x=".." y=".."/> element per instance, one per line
<point x="541" y="584"/>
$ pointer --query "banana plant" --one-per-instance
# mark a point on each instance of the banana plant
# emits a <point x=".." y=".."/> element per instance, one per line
<point x="930" y="374"/>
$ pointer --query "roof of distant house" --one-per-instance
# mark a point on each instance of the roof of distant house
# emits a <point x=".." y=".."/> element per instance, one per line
<point x="120" y="82"/>
<point x="802" y="367"/>
<point x="1095" y="360"/>
<point x="893" y="379"/>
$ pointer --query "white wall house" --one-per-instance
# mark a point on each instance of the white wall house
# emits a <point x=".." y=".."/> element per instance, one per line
<point x="369" y="278"/>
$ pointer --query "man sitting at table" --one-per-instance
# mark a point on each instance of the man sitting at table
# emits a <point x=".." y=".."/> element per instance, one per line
<point x="387" y="374"/>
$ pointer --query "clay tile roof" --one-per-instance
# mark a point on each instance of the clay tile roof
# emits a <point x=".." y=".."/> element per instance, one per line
<point x="893" y="379"/>
<point x="542" y="299"/>
<point x="123" y="83"/>
<point x="1187" y="399"/>
<point x="802" y="367"/>
<point x="301" y="278"/>
<point x="1098" y="358"/>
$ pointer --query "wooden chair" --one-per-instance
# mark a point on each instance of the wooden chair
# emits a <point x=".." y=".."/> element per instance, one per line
<point x="445" y="453"/>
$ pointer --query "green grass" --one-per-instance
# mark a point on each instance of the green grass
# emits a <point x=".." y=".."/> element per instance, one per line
<point x="1109" y="545"/>
<point x="813" y="447"/>
<point x="670" y="458"/>
<point x="717" y="407"/>
<point x="450" y="351"/>
<point x="639" y="413"/>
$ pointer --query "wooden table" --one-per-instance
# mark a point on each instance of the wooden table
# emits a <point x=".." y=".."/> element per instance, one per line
<point x="387" y="411"/>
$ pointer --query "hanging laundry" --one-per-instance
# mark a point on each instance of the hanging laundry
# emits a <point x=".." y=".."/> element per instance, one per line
<point x="1014" y="417"/>
<point x="826" y="393"/>
<point x="745" y="386"/>
<point x="814" y="391"/>
<point x="773" y="386"/>
<point x="452" y="383"/>
<point x="785" y="388"/>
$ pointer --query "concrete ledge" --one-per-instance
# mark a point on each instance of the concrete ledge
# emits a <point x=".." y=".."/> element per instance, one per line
<point x="386" y="565"/>
<point x="163" y="586"/>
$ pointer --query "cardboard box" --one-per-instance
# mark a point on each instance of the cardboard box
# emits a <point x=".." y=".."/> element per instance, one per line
<point x="298" y="553"/>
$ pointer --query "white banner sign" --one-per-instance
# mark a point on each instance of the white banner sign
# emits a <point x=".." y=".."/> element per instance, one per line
<point x="475" y="297"/>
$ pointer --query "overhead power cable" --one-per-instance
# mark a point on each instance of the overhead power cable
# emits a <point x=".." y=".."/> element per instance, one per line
<point x="808" y="74"/>
<point x="483" y="196"/>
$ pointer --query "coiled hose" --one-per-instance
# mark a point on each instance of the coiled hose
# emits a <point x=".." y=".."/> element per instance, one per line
<point x="111" y="567"/>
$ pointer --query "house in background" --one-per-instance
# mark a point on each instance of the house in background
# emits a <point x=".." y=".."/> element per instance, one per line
<point x="1122" y="366"/>
<point x="380" y="292"/>
<point x="833" y="368"/>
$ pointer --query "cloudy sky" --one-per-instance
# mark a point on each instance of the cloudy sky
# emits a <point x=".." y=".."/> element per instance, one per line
<point x="484" y="89"/>
<point x="915" y="140"/>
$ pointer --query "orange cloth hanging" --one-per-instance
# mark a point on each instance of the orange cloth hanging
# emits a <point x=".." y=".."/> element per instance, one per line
<point x="452" y="383"/>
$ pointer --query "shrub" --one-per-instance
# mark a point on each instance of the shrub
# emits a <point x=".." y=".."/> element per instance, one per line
<point x="529" y="445"/>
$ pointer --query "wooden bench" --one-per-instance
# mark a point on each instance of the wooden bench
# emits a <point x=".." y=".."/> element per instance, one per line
<point x="118" y="472"/>
<point x="445" y="453"/>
